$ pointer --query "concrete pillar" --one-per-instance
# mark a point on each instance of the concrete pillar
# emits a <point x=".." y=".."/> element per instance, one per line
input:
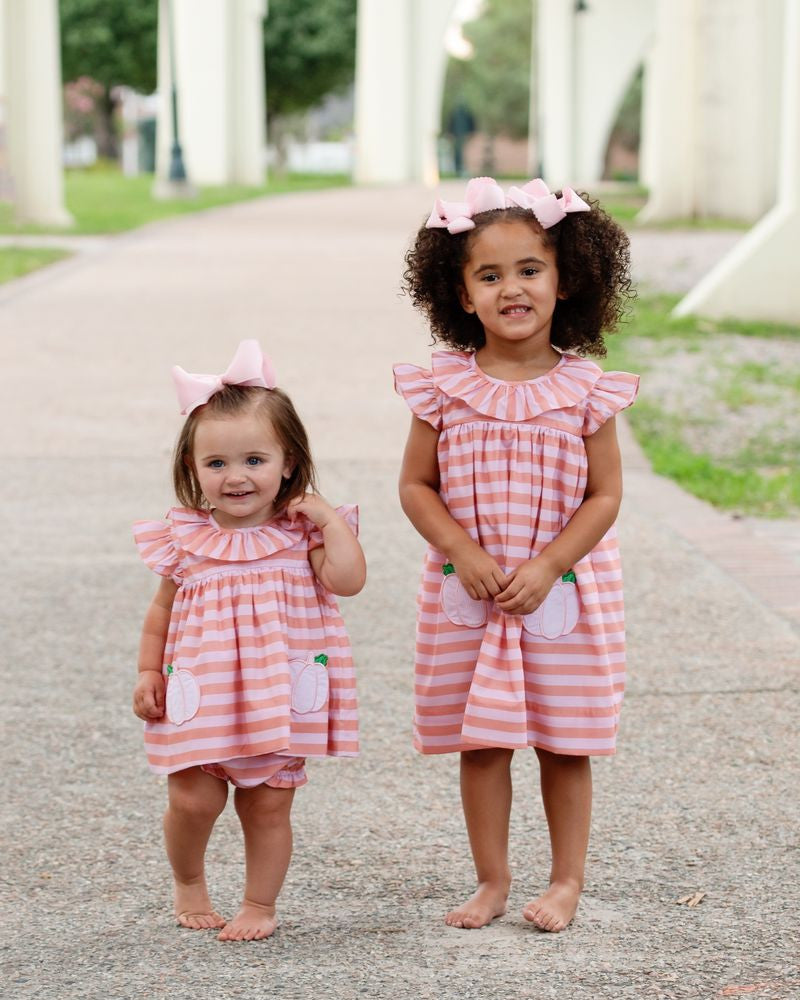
<point x="670" y="128"/>
<point x="32" y="85"/>
<point x="586" y="61"/>
<point x="760" y="278"/>
<point x="709" y="145"/>
<point x="219" y="66"/>
<point x="400" y="63"/>
<point x="248" y="94"/>
<point x="556" y="79"/>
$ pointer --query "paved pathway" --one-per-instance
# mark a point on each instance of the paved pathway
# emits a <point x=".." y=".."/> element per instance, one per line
<point x="701" y="798"/>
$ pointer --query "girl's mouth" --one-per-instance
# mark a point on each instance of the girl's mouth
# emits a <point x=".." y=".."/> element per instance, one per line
<point x="515" y="310"/>
<point x="238" y="495"/>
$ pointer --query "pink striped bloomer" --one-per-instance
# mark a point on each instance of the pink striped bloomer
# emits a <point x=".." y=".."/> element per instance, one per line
<point x="513" y="467"/>
<point x="257" y="661"/>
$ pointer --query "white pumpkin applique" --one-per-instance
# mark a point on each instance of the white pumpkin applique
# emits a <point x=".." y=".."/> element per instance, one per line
<point x="458" y="606"/>
<point x="183" y="695"/>
<point x="558" y="613"/>
<point x="309" y="683"/>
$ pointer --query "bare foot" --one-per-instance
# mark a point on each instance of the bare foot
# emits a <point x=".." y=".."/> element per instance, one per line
<point x="555" y="908"/>
<point x="253" y="922"/>
<point x="193" y="908"/>
<point x="488" y="902"/>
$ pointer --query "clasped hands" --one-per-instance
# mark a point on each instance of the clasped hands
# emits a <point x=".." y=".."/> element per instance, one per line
<point x="517" y="593"/>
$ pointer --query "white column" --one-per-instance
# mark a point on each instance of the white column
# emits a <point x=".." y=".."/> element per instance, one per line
<point x="400" y="63"/>
<point x="760" y="278"/>
<point x="32" y="64"/>
<point x="219" y="61"/>
<point x="247" y="97"/>
<point x="611" y="38"/>
<point x="556" y="90"/>
<point x="670" y="128"/>
<point x="382" y="112"/>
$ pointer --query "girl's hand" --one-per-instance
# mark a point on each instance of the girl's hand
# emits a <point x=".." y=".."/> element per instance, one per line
<point x="527" y="587"/>
<point x="315" y="508"/>
<point x="148" y="695"/>
<point x="480" y="575"/>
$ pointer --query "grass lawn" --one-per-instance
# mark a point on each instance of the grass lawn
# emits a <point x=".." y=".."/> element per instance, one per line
<point x="717" y="407"/>
<point x="102" y="200"/>
<point x="16" y="261"/>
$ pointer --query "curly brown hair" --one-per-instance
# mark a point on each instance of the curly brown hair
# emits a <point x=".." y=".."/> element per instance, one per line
<point x="275" y="407"/>
<point x="593" y="259"/>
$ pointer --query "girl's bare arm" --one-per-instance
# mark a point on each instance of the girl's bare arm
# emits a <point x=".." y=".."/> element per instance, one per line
<point x="148" y="695"/>
<point x="339" y="562"/>
<point x="419" y="497"/>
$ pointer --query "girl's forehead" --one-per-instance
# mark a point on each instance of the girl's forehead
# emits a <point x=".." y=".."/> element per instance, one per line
<point x="244" y="430"/>
<point x="510" y="237"/>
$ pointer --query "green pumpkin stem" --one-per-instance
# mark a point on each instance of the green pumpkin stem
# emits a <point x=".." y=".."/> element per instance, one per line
<point x="322" y="658"/>
<point x="169" y="669"/>
<point x="448" y="568"/>
<point x="569" y="577"/>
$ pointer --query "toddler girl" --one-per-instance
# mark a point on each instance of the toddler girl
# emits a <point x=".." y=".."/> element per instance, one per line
<point x="244" y="665"/>
<point x="512" y="474"/>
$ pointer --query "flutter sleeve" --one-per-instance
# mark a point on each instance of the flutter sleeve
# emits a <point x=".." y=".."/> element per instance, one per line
<point x="157" y="549"/>
<point x="612" y="392"/>
<point x="348" y="511"/>
<point x="417" y="387"/>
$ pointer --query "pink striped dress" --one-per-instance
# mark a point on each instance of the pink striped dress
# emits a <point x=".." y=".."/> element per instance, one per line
<point x="512" y="466"/>
<point x="257" y="660"/>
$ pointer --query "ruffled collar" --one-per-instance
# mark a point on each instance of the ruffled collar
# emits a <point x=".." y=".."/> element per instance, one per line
<point x="458" y="376"/>
<point x="197" y="532"/>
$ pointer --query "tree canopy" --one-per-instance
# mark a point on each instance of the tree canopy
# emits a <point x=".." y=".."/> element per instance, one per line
<point x="494" y="83"/>
<point x="310" y="51"/>
<point x="111" y="41"/>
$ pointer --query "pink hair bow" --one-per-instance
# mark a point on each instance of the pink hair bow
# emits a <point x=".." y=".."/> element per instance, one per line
<point x="484" y="195"/>
<point x="249" y="367"/>
<point x="548" y="209"/>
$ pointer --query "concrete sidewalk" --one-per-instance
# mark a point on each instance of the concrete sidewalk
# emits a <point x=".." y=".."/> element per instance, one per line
<point x="702" y="796"/>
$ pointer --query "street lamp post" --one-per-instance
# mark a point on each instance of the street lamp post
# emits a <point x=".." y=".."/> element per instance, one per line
<point x="177" y="184"/>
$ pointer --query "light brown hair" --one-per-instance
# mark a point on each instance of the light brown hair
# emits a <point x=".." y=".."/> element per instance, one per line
<point x="272" y="405"/>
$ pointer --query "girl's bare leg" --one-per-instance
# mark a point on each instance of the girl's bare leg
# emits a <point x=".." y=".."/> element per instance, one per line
<point x="264" y="813"/>
<point x="195" y="801"/>
<point x="567" y="796"/>
<point x="486" y="798"/>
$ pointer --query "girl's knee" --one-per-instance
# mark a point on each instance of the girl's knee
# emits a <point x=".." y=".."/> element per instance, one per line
<point x="264" y="805"/>
<point x="197" y="798"/>
<point x="487" y="757"/>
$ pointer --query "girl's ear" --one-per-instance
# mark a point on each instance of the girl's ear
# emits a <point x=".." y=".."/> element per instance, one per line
<point x="288" y="468"/>
<point x="562" y="293"/>
<point x="465" y="300"/>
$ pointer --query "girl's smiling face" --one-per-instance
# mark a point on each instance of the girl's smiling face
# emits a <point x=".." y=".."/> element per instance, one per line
<point x="240" y="465"/>
<point x="511" y="282"/>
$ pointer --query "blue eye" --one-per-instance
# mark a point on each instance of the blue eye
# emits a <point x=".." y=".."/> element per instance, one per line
<point x="215" y="463"/>
<point x="254" y="460"/>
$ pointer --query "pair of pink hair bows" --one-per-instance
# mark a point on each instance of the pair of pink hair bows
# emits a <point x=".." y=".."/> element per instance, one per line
<point x="484" y="194"/>
<point x="249" y="367"/>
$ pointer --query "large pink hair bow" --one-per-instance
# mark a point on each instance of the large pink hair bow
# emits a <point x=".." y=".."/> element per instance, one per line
<point x="249" y="367"/>
<point x="484" y="195"/>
